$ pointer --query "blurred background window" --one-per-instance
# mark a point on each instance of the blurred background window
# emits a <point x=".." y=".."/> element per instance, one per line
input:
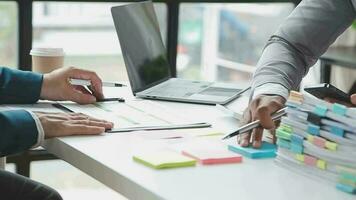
<point x="87" y="34"/>
<point x="8" y="34"/>
<point x="223" y="42"/>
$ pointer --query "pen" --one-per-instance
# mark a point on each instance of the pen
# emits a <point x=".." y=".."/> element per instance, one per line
<point x="61" y="107"/>
<point x="111" y="99"/>
<point x="84" y="82"/>
<point x="276" y="116"/>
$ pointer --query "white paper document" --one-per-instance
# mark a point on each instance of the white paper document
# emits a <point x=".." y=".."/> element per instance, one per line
<point x="136" y="115"/>
<point x="236" y="107"/>
<point x="42" y="106"/>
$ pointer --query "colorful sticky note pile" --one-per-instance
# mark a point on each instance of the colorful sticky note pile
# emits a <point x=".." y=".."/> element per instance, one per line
<point x="319" y="135"/>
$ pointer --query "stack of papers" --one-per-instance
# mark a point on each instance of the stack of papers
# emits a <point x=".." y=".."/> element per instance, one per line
<point x="318" y="139"/>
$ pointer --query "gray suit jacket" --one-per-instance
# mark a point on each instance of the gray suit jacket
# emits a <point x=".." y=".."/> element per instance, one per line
<point x="305" y="35"/>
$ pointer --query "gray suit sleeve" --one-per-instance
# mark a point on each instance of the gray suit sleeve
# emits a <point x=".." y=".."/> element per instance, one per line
<point x="305" y="35"/>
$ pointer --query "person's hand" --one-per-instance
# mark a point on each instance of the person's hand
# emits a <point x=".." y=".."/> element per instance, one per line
<point x="64" y="124"/>
<point x="56" y="86"/>
<point x="352" y="100"/>
<point x="261" y="109"/>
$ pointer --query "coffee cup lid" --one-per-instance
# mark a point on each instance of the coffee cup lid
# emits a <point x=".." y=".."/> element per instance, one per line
<point x="47" y="52"/>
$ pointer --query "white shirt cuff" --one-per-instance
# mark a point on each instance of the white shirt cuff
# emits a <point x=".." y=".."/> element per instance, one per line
<point x="271" y="88"/>
<point x="40" y="137"/>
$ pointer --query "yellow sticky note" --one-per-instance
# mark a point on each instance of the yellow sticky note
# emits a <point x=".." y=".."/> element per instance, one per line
<point x="164" y="159"/>
<point x="331" y="145"/>
<point x="310" y="138"/>
<point x="321" y="164"/>
<point x="299" y="157"/>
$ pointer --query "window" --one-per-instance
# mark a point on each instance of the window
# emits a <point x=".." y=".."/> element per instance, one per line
<point x="87" y="34"/>
<point x="223" y="42"/>
<point x="8" y="34"/>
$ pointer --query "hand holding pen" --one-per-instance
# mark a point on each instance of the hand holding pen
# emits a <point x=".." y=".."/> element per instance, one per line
<point x="84" y="82"/>
<point x="260" y="108"/>
<point x="55" y="86"/>
<point x="87" y="83"/>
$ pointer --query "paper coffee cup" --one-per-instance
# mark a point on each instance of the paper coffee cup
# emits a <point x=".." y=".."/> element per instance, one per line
<point x="45" y="60"/>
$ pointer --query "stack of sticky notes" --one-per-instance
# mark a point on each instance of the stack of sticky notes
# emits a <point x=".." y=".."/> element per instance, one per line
<point x="318" y="138"/>
<point x="164" y="159"/>
<point x="267" y="150"/>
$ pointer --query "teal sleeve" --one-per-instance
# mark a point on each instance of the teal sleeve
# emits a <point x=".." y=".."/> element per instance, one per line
<point x="18" y="132"/>
<point x="19" y="86"/>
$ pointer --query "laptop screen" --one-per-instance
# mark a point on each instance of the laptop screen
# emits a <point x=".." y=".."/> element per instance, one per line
<point x="141" y="44"/>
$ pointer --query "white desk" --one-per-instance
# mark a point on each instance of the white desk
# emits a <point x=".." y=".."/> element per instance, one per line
<point x="108" y="158"/>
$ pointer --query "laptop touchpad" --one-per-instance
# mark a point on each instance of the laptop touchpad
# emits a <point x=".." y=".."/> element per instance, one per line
<point x="217" y="91"/>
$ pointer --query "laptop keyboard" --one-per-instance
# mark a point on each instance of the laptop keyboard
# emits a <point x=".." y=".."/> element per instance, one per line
<point x="178" y="88"/>
<point x="217" y="91"/>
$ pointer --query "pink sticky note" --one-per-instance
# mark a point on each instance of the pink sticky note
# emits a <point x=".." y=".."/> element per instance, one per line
<point x="310" y="160"/>
<point x="318" y="141"/>
<point x="213" y="156"/>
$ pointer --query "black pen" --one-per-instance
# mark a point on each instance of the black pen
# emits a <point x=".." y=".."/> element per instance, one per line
<point x="111" y="99"/>
<point x="61" y="107"/>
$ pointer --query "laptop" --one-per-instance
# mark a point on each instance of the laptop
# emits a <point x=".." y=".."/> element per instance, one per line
<point x="147" y="65"/>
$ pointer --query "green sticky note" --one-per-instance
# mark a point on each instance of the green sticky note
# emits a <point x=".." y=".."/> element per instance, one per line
<point x="286" y="128"/>
<point x="164" y="159"/>
<point x="348" y="176"/>
<point x="283" y="143"/>
<point x="267" y="150"/>
<point x="347" y="182"/>
<point x="283" y="134"/>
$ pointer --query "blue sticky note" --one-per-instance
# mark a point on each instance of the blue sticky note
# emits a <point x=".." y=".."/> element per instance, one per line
<point x="297" y="139"/>
<point x="339" y="109"/>
<point x="313" y="129"/>
<point x="346" y="188"/>
<point x="320" y="110"/>
<point x="292" y="104"/>
<point x="267" y="150"/>
<point x="296" y="148"/>
<point x="337" y="131"/>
